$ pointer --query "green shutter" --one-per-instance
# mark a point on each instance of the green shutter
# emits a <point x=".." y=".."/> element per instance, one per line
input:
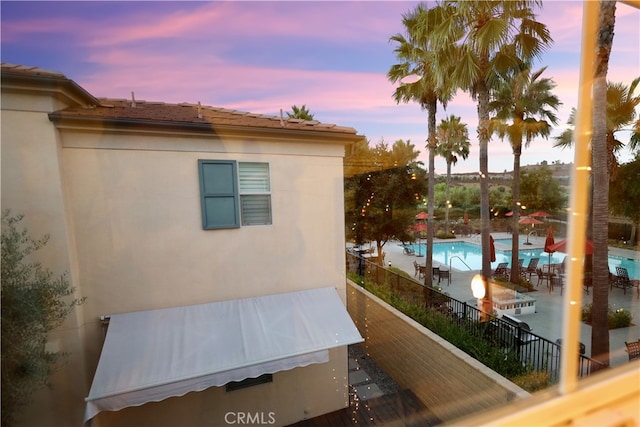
<point x="219" y="194"/>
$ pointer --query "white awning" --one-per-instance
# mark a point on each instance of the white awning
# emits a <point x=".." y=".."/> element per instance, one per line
<point x="151" y="355"/>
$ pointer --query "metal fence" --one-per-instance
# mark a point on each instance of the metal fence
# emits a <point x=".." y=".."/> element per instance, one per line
<point x="534" y="351"/>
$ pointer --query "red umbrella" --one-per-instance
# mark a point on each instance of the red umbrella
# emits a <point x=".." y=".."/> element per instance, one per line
<point x="422" y="215"/>
<point x="529" y="220"/>
<point x="541" y="214"/>
<point x="492" y="248"/>
<point x="509" y="213"/>
<point x="561" y="246"/>
<point x="419" y="227"/>
<point x="549" y="242"/>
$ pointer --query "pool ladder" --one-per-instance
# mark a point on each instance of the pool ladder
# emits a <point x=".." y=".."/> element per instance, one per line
<point x="461" y="260"/>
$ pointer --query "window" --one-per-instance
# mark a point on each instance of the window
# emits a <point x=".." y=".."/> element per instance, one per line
<point x="234" y="193"/>
<point x="255" y="197"/>
<point x="249" y="382"/>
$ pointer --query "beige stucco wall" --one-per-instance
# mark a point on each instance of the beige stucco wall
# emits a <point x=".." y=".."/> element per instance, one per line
<point x="32" y="185"/>
<point x="123" y="211"/>
<point x="291" y="397"/>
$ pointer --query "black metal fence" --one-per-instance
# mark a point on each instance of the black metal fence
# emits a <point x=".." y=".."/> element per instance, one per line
<point x="537" y="352"/>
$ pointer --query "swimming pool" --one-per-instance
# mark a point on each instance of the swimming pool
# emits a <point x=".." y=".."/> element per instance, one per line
<point x="454" y="253"/>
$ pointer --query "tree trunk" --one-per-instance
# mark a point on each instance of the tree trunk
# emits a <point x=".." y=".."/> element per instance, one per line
<point x="515" y="238"/>
<point x="599" y="326"/>
<point x="431" y="146"/>
<point x="485" y="226"/>
<point x="447" y="193"/>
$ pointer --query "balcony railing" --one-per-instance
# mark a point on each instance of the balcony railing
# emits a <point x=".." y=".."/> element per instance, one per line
<point x="534" y="351"/>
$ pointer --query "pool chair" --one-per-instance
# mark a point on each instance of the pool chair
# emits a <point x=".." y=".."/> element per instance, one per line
<point x="621" y="280"/>
<point x="444" y="274"/>
<point x="501" y="270"/>
<point x="633" y="349"/>
<point x="531" y="268"/>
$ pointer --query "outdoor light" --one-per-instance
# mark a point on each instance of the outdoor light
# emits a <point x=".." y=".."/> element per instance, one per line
<point x="477" y="286"/>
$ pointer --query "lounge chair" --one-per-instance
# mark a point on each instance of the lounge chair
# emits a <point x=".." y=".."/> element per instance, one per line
<point x="621" y="280"/>
<point x="531" y="267"/>
<point x="408" y="251"/>
<point x="633" y="349"/>
<point x="501" y="270"/>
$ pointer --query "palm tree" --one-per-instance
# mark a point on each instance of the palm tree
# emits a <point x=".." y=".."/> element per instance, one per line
<point x="525" y="108"/>
<point x="300" y="113"/>
<point x="418" y="55"/>
<point x="453" y="141"/>
<point x="621" y="113"/>
<point x="600" y="174"/>
<point x="489" y="38"/>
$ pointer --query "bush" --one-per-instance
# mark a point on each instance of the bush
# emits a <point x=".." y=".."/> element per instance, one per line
<point x="33" y="304"/>
<point x="533" y="381"/>
<point x="441" y="234"/>
<point x="619" y="318"/>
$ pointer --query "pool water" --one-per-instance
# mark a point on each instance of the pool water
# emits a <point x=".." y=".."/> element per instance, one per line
<point x="464" y="255"/>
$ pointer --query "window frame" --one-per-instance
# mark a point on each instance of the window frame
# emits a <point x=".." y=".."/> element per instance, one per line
<point x="233" y="195"/>
<point x="252" y="192"/>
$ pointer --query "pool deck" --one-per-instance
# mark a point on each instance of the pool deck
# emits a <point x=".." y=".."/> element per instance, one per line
<point x="547" y="320"/>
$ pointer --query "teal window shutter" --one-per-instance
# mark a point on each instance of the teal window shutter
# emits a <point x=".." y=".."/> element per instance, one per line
<point x="219" y="194"/>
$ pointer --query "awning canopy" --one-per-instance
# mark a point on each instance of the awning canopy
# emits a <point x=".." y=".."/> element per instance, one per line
<point x="152" y="355"/>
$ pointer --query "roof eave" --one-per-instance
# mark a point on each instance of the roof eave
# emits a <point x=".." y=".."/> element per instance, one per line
<point x="58" y="86"/>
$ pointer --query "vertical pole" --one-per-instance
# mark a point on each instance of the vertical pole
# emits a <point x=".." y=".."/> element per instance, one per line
<point x="572" y="301"/>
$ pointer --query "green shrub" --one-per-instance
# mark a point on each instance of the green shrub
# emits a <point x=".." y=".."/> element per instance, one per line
<point x="523" y="285"/>
<point x="440" y="234"/>
<point x="619" y="318"/>
<point x="533" y="381"/>
<point x="34" y="303"/>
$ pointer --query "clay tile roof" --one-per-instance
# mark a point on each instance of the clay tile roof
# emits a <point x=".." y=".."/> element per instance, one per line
<point x="186" y="113"/>
<point x="23" y="69"/>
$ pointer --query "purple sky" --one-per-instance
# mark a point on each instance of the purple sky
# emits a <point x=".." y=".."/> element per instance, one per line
<point x="269" y="55"/>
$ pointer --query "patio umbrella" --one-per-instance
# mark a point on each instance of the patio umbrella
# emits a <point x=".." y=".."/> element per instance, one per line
<point x="510" y="213"/>
<point x="492" y="248"/>
<point x="465" y="220"/>
<point x="541" y="214"/>
<point x="561" y="246"/>
<point x="419" y="227"/>
<point x="549" y="242"/>
<point x="529" y="220"/>
<point x="422" y="215"/>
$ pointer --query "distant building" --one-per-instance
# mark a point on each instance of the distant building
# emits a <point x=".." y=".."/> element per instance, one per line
<point x="208" y="242"/>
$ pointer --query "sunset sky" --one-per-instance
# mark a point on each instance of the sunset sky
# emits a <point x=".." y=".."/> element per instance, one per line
<point x="269" y="55"/>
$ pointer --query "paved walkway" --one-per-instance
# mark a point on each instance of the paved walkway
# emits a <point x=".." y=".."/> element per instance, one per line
<point x="547" y="320"/>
